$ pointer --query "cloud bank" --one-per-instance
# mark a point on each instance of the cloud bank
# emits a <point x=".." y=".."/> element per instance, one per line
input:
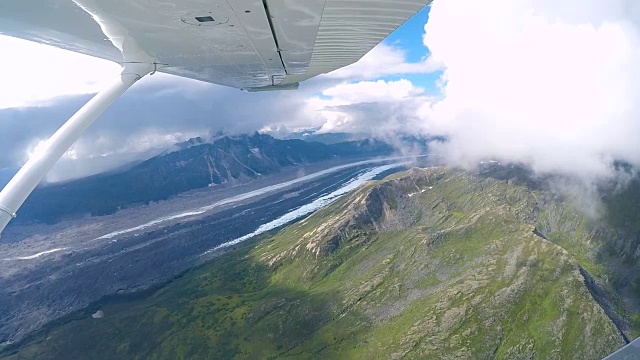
<point x="163" y="109"/>
<point x="547" y="83"/>
<point x="554" y="84"/>
<point x="34" y="74"/>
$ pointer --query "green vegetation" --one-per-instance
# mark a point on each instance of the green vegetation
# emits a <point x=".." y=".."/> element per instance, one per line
<point x="454" y="271"/>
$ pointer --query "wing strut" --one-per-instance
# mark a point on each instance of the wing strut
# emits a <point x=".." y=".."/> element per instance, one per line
<point x="18" y="189"/>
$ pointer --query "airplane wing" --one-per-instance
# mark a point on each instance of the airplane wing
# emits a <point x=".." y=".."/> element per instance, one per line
<point x="246" y="44"/>
<point x="629" y="352"/>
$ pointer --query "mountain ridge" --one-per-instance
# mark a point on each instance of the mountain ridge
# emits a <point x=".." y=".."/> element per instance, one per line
<point x="194" y="164"/>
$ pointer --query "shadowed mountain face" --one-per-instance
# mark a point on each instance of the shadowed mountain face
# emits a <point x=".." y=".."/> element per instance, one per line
<point x="430" y="263"/>
<point x="195" y="165"/>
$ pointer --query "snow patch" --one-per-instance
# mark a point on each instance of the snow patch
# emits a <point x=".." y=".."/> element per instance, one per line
<point x="35" y="256"/>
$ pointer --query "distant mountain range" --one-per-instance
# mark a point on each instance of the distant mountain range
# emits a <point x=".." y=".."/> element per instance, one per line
<point x="325" y="138"/>
<point x="334" y="138"/>
<point x="195" y="164"/>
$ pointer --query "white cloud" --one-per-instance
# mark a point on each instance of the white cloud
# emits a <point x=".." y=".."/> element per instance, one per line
<point x="99" y="153"/>
<point x="551" y="83"/>
<point x="385" y="60"/>
<point x="367" y="106"/>
<point x="36" y="75"/>
<point x="367" y="91"/>
<point x="36" y="97"/>
<point x="33" y="74"/>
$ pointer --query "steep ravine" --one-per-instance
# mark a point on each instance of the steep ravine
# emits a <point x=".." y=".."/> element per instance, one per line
<point x="601" y="297"/>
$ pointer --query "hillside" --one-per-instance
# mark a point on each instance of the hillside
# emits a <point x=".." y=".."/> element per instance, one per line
<point x="432" y="263"/>
<point x="194" y="165"/>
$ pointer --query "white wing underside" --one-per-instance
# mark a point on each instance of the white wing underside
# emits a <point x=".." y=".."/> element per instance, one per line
<point x="245" y="44"/>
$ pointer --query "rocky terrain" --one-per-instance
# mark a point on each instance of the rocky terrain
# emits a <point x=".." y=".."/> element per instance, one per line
<point x="430" y="263"/>
<point x="49" y="271"/>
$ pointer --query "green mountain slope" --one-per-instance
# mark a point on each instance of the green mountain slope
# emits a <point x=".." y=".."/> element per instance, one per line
<point x="426" y="264"/>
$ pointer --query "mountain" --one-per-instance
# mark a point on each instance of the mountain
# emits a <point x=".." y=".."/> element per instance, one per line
<point x="430" y="263"/>
<point x="325" y="138"/>
<point x="195" y="164"/>
<point x="400" y="140"/>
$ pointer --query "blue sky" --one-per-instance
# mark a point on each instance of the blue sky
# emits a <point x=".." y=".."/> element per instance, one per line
<point x="408" y="37"/>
